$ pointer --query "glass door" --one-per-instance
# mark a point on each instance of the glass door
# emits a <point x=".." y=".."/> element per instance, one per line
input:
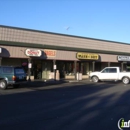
<point x="37" y="69"/>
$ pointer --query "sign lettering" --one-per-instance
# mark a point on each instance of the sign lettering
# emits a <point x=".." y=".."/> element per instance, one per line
<point x="50" y="53"/>
<point x="123" y="58"/>
<point x="33" y="52"/>
<point x="89" y="56"/>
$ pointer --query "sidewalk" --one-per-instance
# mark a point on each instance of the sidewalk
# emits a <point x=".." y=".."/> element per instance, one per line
<point x="53" y="82"/>
<point x="44" y="82"/>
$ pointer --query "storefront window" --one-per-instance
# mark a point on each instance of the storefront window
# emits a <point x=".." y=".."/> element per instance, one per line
<point x="128" y="67"/>
<point x="67" y="68"/>
<point x="36" y="69"/>
<point x="84" y="68"/>
<point x="70" y="68"/>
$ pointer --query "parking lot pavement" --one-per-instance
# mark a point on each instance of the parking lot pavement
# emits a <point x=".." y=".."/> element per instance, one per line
<point x="52" y="82"/>
<point x="69" y="106"/>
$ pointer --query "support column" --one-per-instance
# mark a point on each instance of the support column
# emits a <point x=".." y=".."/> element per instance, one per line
<point x="93" y="69"/>
<point x="109" y="63"/>
<point x="75" y="64"/>
<point x="80" y="67"/>
<point x="29" y="69"/>
<point x="54" y="69"/>
<point x="0" y="61"/>
<point x="122" y="66"/>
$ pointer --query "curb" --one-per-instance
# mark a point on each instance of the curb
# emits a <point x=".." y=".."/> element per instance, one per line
<point x="45" y="83"/>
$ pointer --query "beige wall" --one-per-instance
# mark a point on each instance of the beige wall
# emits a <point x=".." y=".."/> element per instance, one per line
<point x="39" y="37"/>
<point x="19" y="52"/>
<point x="108" y="58"/>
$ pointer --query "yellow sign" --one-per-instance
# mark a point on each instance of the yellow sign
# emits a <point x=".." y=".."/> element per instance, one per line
<point x="89" y="56"/>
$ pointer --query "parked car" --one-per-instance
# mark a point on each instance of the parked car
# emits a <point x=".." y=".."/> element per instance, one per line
<point x="110" y="74"/>
<point x="10" y="75"/>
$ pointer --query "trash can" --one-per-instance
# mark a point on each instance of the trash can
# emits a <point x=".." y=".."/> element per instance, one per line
<point x="77" y="76"/>
<point x="80" y="76"/>
<point x="57" y="75"/>
<point x="51" y="75"/>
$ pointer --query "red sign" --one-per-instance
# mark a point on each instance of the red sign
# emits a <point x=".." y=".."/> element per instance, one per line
<point x="33" y="52"/>
<point x="50" y="53"/>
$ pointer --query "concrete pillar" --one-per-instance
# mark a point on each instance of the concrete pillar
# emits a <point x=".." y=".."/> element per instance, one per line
<point x="109" y="63"/>
<point x="80" y="67"/>
<point x="93" y="69"/>
<point x="29" y="69"/>
<point x="54" y="69"/>
<point x="0" y="61"/>
<point x="75" y="70"/>
<point x="122" y="66"/>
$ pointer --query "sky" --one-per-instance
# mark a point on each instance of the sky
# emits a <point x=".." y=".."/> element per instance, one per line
<point x="100" y="19"/>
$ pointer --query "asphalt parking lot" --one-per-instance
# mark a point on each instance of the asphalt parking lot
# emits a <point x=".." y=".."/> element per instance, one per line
<point x="67" y="106"/>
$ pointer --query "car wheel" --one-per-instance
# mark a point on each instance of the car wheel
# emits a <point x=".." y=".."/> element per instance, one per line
<point x="126" y="80"/>
<point x="95" y="79"/>
<point x="3" y="84"/>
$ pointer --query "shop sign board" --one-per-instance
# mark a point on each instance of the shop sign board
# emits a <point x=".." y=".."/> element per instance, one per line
<point x="87" y="56"/>
<point x="33" y="52"/>
<point x="123" y="58"/>
<point x="49" y="53"/>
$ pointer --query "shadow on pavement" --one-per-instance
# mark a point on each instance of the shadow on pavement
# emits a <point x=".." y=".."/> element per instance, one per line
<point x="86" y="106"/>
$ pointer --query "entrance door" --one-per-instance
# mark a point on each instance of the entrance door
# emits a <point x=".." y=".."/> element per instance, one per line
<point x="61" y="67"/>
<point x="37" y="69"/>
<point x="84" y="68"/>
<point x="47" y="67"/>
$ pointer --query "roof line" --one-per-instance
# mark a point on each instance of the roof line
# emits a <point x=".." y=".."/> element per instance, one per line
<point x="34" y="30"/>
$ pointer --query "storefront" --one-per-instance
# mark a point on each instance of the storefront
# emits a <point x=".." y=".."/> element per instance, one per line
<point x="87" y="62"/>
<point x="68" y="63"/>
<point x="125" y="62"/>
<point x="43" y="54"/>
<point x="39" y="63"/>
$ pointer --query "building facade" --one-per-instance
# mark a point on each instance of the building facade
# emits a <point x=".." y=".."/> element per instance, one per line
<point x="43" y="53"/>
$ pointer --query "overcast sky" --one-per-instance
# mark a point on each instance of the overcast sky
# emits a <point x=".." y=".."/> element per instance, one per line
<point x="101" y="19"/>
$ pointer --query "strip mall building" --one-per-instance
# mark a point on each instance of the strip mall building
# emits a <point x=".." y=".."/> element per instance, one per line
<point x="43" y="52"/>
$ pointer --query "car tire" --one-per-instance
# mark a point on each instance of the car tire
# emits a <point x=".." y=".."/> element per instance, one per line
<point x="126" y="80"/>
<point x="95" y="79"/>
<point x="3" y="84"/>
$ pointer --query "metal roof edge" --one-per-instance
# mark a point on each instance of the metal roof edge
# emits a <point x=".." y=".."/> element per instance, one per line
<point x="60" y="34"/>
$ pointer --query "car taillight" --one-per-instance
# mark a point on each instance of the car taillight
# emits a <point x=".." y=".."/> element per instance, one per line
<point x="14" y="78"/>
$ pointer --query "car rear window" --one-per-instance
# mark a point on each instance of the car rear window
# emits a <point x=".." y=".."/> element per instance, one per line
<point x="7" y="69"/>
<point x="19" y="71"/>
